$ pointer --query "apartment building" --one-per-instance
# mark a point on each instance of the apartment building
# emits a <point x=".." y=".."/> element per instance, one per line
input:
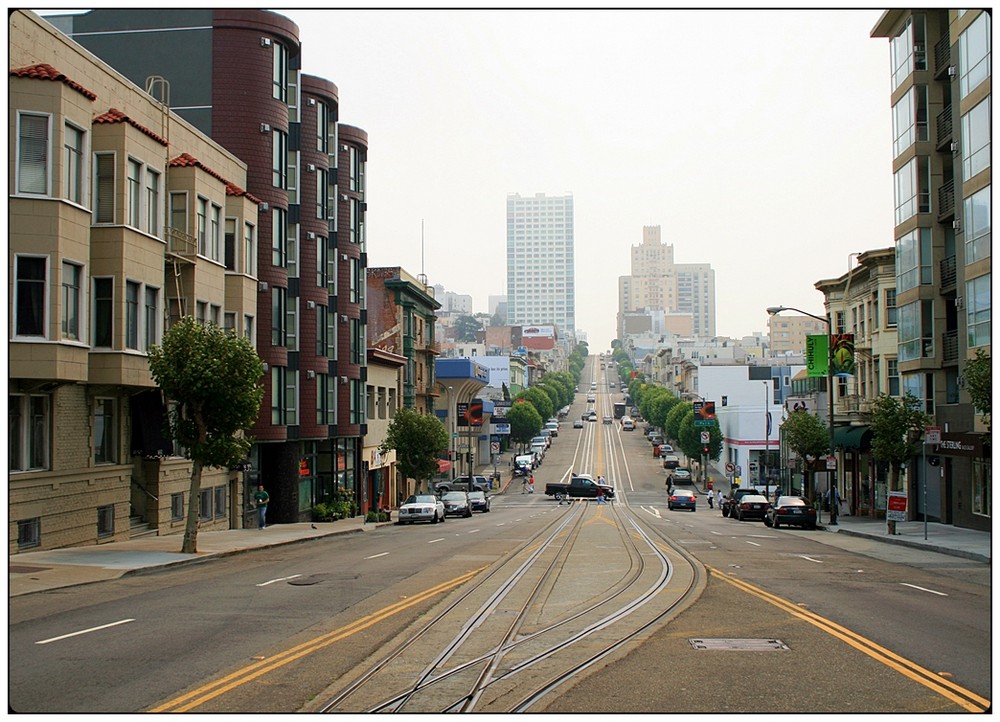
<point x="237" y="75"/>
<point x="786" y="333"/>
<point x="669" y="292"/>
<point x="540" y="262"/>
<point x="941" y="94"/>
<point x="123" y="217"/>
<point x="382" y="489"/>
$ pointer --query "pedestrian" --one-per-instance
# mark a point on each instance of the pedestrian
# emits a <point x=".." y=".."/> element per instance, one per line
<point x="718" y="498"/>
<point x="710" y="495"/>
<point x="670" y="483"/>
<point x="600" y="495"/>
<point x="531" y="484"/>
<point x="260" y="499"/>
<point x="833" y="500"/>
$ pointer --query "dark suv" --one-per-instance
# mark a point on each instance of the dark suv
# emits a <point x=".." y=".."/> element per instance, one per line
<point x="730" y="502"/>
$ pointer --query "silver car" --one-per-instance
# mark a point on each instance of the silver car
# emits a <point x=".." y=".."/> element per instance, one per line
<point x="457" y="503"/>
<point x="421" y="507"/>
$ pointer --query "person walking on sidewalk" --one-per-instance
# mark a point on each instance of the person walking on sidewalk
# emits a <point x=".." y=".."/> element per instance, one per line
<point x="833" y="500"/>
<point x="711" y="496"/>
<point x="670" y="483"/>
<point x="260" y="499"/>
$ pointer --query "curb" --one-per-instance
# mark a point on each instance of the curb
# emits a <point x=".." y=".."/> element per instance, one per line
<point x="974" y="556"/>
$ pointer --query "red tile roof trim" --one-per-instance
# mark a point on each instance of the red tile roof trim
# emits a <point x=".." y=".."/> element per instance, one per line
<point x="116" y="116"/>
<point x="186" y="160"/>
<point x="44" y="71"/>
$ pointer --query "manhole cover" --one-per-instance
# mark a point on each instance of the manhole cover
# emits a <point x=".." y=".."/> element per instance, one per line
<point x="739" y="645"/>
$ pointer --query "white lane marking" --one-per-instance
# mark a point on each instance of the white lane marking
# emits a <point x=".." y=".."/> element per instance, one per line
<point x="717" y="533"/>
<point x="474" y="531"/>
<point x="810" y="558"/>
<point x="280" y="579"/>
<point x="85" y="631"/>
<point x="376" y="556"/>
<point x="923" y="589"/>
<point x="754" y="543"/>
<point x="435" y="541"/>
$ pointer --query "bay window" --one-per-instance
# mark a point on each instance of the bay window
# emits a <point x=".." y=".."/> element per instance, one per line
<point x="978" y="235"/>
<point x="976" y="132"/>
<point x="977" y="304"/>
<point x="33" y="154"/>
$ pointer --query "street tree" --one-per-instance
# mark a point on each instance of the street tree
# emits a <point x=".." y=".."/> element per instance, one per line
<point x="525" y="422"/>
<point x="213" y="378"/>
<point x="539" y="399"/>
<point x="978" y="378"/>
<point x="809" y="438"/>
<point x="418" y="440"/>
<point x="672" y="424"/>
<point x="897" y="427"/>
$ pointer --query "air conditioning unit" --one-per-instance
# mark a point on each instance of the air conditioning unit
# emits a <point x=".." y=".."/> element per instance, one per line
<point x="343" y="147"/>
<point x="959" y="302"/>
<point x="264" y="207"/>
<point x="311" y="167"/>
<point x="343" y="318"/>
<point x="266" y="367"/>
<point x="265" y="42"/>
<point x="952" y="71"/>
<point x="343" y="256"/>
<point x="310" y="374"/>
<point x="310" y="101"/>
<point x="310" y="235"/>
<point x="343" y="379"/>
<point x="262" y="286"/>
<point x="954" y="146"/>
<point x="343" y="196"/>
<point x="918" y="48"/>
<point x="956" y="224"/>
<point x="310" y="304"/>
<point x="265" y="128"/>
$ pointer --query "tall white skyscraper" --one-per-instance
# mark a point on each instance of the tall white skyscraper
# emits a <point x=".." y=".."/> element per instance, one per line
<point x="540" y="264"/>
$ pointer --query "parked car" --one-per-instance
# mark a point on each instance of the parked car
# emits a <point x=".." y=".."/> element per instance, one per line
<point x="577" y="423"/>
<point x="682" y="499"/>
<point x="552" y="429"/>
<point x="681" y="476"/>
<point x="666" y="449"/>
<point x="422" y="507"/>
<point x="730" y="502"/>
<point x="752" y="506"/>
<point x="792" y="510"/>
<point x="670" y="461"/>
<point x="456" y="503"/>
<point x="479" y="501"/>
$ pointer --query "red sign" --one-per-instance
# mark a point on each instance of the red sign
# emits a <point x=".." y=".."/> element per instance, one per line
<point x="897" y="503"/>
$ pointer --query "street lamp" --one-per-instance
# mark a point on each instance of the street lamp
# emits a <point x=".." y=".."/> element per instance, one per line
<point x="451" y="430"/>
<point x="774" y="311"/>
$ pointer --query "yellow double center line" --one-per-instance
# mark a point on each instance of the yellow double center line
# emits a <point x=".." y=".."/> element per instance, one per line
<point x="207" y="692"/>
<point x="965" y="698"/>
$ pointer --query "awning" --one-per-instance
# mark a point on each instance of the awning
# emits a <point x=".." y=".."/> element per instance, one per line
<point x="852" y="437"/>
<point x="443" y="465"/>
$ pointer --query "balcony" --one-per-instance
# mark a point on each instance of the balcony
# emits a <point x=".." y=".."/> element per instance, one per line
<point x="948" y="273"/>
<point x="942" y="56"/>
<point x="946" y="200"/>
<point x="181" y="244"/>
<point x="945" y="128"/>
<point x="949" y="347"/>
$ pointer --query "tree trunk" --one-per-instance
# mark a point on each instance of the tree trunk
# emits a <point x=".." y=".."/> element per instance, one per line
<point x="190" y="545"/>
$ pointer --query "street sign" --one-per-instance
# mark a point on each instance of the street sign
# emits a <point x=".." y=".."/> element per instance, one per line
<point x="705" y="436"/>
<point x="831" y="462"/>
<point x="730" y="467"/>
<point x="494" y="447"/>
<point x="896" y="506"/>
<point x="932" y="435"/>
<point x="739" y="470"/>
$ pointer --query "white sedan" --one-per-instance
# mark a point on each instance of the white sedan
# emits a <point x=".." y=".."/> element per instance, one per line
<point x="422" y="507"/>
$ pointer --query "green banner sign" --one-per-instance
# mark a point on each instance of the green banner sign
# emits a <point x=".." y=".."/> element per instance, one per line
<point x="817" y="355"/>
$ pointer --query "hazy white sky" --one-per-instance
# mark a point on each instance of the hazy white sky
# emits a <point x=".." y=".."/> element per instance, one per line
<point x="758" y="140"/>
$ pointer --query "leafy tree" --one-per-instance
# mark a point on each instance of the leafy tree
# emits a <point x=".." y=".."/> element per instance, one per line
<point x="806" y="435"/>
<point x="467" y="327"/>
<point x="672" y="424"/>
<point x="525" y="422"/>
<point x="897" y="429"/>
<point x="418" y="440"/>
<point x="978" y="377"/>
<point x="213" y="376"/>
<point x="539" y="399"/>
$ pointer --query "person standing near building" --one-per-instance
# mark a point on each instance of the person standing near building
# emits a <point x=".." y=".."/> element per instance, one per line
<point x="719" y="498"/>
<point x="833" y="500"/>
<point x="260" y="499"/>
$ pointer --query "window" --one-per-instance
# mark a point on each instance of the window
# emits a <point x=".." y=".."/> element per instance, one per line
<point x="890" y="307"/>
<point x="201" y="312"/>
<point x="202" y="231"/>
<point x="105" y="432"/>
<point x="103" y="312"/>
<point x="320" y="193"/>
<point x="915" y="331"/>
<point x="178" y="212"/>
<point x="908" y="50"/>
<point x="355" y="227"/>
<point x="279" y="151"/>
<point x="892" y="376"/>
<point x="279" y="238"/>
<point x="248" y="327"/>
<point x="71" y="298"/>
<point x="909" y="119"/>
<point x="153" y="202"/>
<point x="176" y="507"/>
<point x="322" y="127"/>
<point x="28" y="425"/>
<point x="220" y="502"/>
<point x="291" y="397"/>
<point x="73" y="164"/>
<point x="357" y="353"/>
<point x="292" y="325"/>
<point x="151" y="318"/>
<point x="322" y="340"/>
<point x="249" y="249"/>
<point x="977" y="226"/>
<point x="229" y="322"/>
<point x="982" y="492"/>
<point x="974" y="54"/>
<point x="326" y="399"/>
<point x="357" y="402"/>
<point x="913" y="260"/>
<point x="230" y="244"/>
<point x="105" y="521"/>
<point x="33" y="154"/>
<point x="279" y="73"/>
<point x="29" y="533"/>
<point x="104" y="187"/>
<point x="31" y="280"/>
<point x="292" y="254"/>
<point x="977" y="306"/>
<point x="976" y="133"/>
<point x="277" y="395"/>
<point x="205" y="505"/>
<point x="355" y="292"/>
<point x="912" y="189"/>
<point x="322" y="262"/>
<point x="131" y="315"/>
<point x="215" y="234"/>
<point x="278" y="318"/>
<point x="133" y="196"/>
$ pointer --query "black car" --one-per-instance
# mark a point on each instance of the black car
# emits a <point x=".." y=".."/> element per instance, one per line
<point x="456" y="503"/>
<point x="751" y="506"/>
<point x="792" y="510"/>
<point x="479" y="501"/>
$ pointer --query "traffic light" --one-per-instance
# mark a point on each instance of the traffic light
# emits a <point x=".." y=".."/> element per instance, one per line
<point x="704" y="449"/>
